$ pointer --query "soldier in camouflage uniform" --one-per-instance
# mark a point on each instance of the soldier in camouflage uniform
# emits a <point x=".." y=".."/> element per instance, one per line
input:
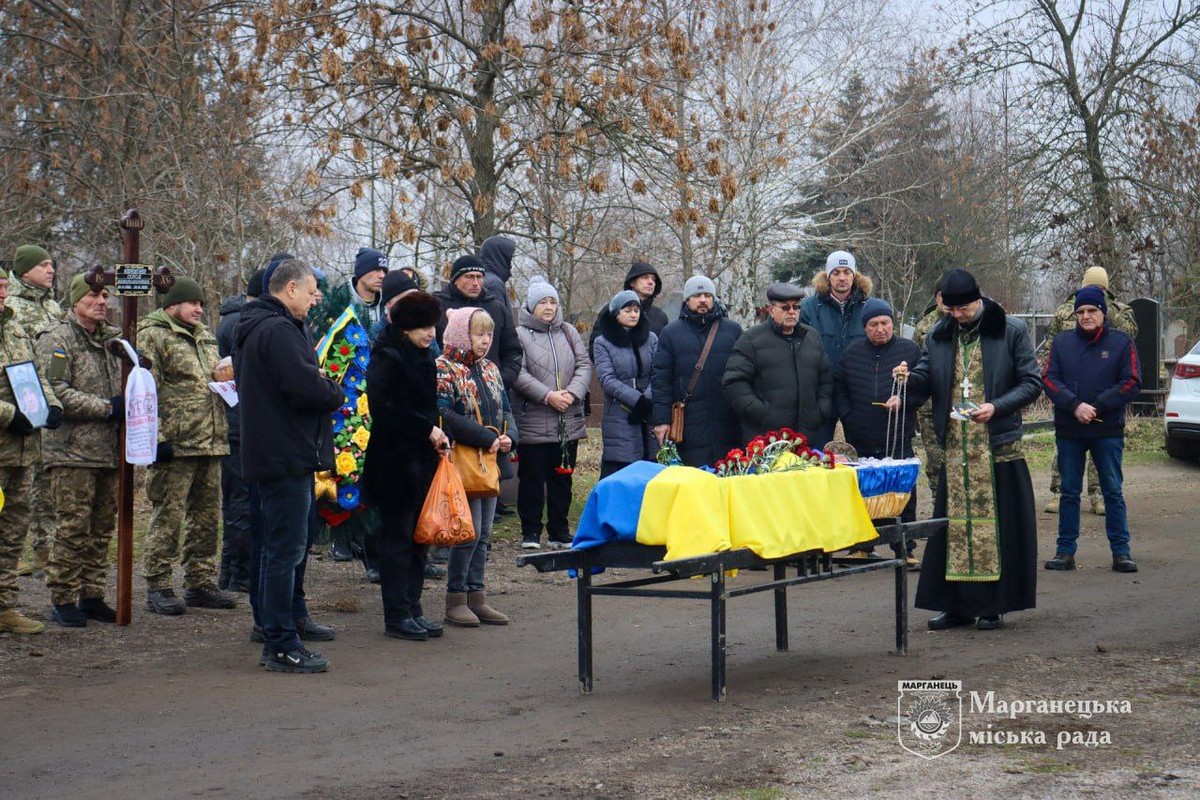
<point x="81" y="457"/>
<point x="19" y="453"/>
<point x="935" y="457"/>
<point x="184" y="482"/>
<point x="34" y="308"/>
<point x="1120" y="317"/>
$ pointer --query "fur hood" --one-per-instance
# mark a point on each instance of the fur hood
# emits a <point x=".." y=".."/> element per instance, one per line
<point x="608" y="327"/>
<point x="820" y="283"/>
<point x="992" y="322"/>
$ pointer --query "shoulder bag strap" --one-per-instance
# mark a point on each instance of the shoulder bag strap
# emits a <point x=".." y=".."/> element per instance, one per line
<point x="708" y="343"/>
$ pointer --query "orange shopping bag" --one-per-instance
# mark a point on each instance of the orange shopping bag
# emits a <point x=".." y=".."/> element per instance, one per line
<point x="445" y="518"/>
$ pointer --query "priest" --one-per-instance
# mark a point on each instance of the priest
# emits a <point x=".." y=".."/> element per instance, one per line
<point x="979" y="371"/>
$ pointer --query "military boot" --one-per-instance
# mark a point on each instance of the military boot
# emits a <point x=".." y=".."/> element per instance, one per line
<point x="208" y="596"/>
<point x="68" y="615"/>
<point x="164" y="601"/>
<point x="95" y="608"/>
<point x="13" y="621"/>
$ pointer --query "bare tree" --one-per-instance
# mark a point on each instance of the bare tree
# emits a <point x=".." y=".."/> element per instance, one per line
<point x="1079" y="68"/>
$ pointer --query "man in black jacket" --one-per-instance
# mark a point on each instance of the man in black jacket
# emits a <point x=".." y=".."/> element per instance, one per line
<point x="235" y="492"/>
<point x="466" y="288"/>
<point x="979" y="366"/>
<point x="286" y="437"/>
<point x="643" y="280"/>
<point x="778" y="375"/>
<point x="862" y="386"/>
<point x="710" y="427"/>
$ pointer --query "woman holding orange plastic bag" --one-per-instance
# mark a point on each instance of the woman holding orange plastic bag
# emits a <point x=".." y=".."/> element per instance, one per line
<point x="402" y="455"/>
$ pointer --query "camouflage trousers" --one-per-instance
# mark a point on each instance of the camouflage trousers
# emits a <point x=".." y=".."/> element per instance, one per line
<point x="185" y="495"/>
<point x="14" y="522"/>
<point x="85" y="505"/>
<point x="935" y="456"/>
<point x="1093" y="477"/>
<point x="41" y="520"/>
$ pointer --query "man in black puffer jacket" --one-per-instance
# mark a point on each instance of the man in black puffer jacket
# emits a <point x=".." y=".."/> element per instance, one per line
<point x="862" y="384"/>
<point x="286" y="437"/>
<point x="779" y="374"/>
<point x="710" y="426"/>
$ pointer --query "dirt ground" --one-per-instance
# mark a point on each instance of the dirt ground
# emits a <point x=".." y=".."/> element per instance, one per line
<point x="178" y="707"/>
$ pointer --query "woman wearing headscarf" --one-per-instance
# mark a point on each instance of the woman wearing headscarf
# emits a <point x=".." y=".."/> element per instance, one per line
<point x="474" y="407"/>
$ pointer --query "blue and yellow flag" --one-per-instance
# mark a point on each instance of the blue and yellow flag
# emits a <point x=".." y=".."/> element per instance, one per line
<point x="693" y="512"/>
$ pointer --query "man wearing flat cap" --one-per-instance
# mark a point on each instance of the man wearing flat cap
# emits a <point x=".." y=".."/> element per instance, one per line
<point x="193" y="436"/>
<point x="980" y="371"/>
<point x="779" y="374"/>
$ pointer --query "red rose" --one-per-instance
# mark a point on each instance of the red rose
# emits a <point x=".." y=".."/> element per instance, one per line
<point x="333" y="367"/>
<point x="344" y="350"/>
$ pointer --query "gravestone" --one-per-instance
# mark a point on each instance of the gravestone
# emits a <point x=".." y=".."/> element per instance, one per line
<point x="1149" y="346"/>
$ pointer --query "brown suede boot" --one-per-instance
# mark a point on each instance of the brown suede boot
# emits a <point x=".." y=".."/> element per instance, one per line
<point x="457" y="612"/>
<point x="477" y="602"/>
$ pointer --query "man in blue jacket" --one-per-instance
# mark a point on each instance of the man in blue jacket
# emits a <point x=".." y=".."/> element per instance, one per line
<point x="835" y="311"/>
<point x="1091" y="375"/>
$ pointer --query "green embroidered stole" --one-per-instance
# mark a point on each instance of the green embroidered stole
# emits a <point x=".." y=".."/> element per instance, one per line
<point x="973" y="538"/>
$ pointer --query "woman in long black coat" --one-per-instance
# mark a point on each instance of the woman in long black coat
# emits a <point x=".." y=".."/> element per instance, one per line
<point x="402" y="455"/>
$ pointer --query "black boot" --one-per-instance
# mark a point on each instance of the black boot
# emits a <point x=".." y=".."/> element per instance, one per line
<point x="68" y="615"/>
<point x="95" y="608"/>
<point x="947" y="620"/>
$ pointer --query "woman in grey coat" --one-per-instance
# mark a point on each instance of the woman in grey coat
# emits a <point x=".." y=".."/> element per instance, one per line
<point x="624" y="349"/>
<point x="550" y="416"/>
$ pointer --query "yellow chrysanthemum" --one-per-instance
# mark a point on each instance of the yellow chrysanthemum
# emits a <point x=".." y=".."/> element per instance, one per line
<point x="326" y="486"/>
<point x="346" y="464"/>
<point x="362" y="406"/>
<point x="361" y="437"/>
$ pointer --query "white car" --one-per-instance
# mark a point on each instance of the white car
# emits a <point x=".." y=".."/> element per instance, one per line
<point x="1182" y="417"/>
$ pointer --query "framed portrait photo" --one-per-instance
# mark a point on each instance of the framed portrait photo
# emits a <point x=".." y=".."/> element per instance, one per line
<point x="27" y="390"/>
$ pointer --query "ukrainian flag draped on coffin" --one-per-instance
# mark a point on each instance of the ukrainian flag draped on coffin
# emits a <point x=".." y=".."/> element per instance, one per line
<point x="694" y="512"/>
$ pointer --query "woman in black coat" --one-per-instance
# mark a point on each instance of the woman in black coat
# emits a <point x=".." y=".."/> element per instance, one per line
<point x="402" y="455"/>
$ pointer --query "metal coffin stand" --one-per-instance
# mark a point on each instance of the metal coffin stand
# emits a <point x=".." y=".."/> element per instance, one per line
<point x="809" y="567"/>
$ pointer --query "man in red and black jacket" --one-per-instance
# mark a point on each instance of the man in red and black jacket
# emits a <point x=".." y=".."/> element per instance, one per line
<point x="1091" y="375"/>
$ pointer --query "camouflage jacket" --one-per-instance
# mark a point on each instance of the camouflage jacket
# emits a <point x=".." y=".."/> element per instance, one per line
<point x="32" y="306"/>
<point x="1120" y="317"/>
<point x="925" y="325"/>
<point x="15" y="347"/>
<point x="84" y="376"/>
<point x="190" y="415"/>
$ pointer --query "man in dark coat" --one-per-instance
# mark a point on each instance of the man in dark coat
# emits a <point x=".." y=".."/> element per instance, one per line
<point x="466" y="288"/>
<point x="862" y="387"/>
<point x="496" y="254"/>
<point x="834" y="310"/>
<point x="778" y="375"/>
<point x="1091" y="375"/>
<point x="234" y="574"/>
<point x="710" y="426"/>
<point x="646" y="282"/>
<point x="286" y="437"/>
<point x="978" y="364"/>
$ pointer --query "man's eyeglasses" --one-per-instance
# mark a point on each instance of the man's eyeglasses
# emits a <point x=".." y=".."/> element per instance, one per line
<point x="788" y="306"/>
